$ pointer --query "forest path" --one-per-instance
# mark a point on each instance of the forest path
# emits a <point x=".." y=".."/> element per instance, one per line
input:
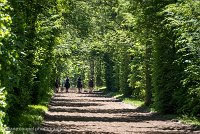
<point x="73" y="113"/>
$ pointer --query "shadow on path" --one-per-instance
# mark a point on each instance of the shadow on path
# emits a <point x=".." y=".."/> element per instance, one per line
<point x="72" y="113"/>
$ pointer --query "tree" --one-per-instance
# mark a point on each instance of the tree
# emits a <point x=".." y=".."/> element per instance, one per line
<point x="23" y="71"/>
<point x="182" y="19"/>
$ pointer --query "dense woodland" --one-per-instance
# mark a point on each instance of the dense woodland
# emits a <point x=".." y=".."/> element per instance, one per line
<point x="146" y="49"/>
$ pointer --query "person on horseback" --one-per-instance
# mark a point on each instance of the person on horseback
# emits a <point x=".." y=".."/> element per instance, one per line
<point x="57" y="84"/>
<point x="79" y="85"/>
<point x="67" y="84"/>
<point x="91" y="85"/>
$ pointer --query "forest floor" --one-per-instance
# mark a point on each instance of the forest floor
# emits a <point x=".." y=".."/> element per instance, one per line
<point x="96" y="113"/>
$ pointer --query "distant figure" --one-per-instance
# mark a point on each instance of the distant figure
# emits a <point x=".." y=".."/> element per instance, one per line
<point x="91" y="85"/>
<point x="67" y="84"/>
<point x="79" y="85"/>
<point x="57" y="84"/>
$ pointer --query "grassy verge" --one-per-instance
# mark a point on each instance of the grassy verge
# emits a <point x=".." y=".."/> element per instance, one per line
<point x="127" y="100"/>
<point x="31" y="117"/>
<point x="134" y="102"/>
<point x="194" y="121"/>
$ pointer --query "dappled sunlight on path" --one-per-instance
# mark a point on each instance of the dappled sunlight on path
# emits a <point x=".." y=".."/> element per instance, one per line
<point x="72" y="113"/>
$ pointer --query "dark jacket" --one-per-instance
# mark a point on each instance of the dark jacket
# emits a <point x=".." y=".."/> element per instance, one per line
<point x="67" y="84"/>
<point x="79" y="83"/>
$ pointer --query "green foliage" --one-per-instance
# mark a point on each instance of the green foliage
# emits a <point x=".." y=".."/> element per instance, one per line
<point x="78" y="17"/>
<point x="157" y="41"/>
<point x="109" y="72"/>
<point x="145" y="49"/>
<point x="133" y="102"/>
<point x="22" y="55"/>
<point x="183" y="19"/>
<point x="2" y="110"/>
<point x="190" y="120"/>
<point x="4" y="36"/>
<point x="136" y="77"/>
<point x="30" y="117"/>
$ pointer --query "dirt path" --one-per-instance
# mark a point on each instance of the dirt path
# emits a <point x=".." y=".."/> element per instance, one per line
<point x="72" y="113"/>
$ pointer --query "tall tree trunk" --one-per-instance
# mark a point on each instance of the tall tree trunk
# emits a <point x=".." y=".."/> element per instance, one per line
<point x="148" y="88"/>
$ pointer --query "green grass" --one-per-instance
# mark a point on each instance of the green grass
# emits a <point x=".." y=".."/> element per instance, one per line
<point x="190" y="120"/>
<point x="32" y="116"/>
<point x="127" y="100"/>
<point x="100" y="88"/>
<point x="133" y="102"/>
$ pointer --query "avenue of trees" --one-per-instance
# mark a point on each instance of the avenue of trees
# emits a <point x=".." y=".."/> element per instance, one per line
<point x="146" y="49"/>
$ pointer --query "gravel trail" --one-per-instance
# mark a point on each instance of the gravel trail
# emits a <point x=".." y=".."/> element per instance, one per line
<point x="73" y="113"/>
